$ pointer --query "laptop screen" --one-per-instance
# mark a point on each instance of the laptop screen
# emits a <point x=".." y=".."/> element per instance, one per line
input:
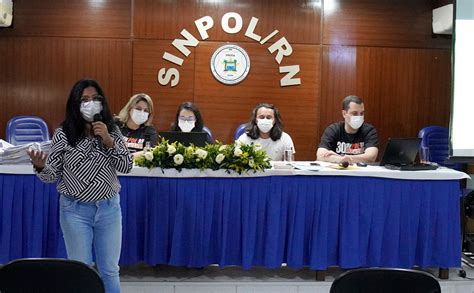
<point x="400" y="151"/>
<point x="186" y="138"/>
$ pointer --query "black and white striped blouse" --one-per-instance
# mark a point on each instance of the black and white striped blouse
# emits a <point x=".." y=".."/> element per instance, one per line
<point x="88" y="171"/>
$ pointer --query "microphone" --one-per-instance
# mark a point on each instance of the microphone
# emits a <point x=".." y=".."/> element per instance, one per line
<point x="344" y="164"/>
<point x="98" y="117"/>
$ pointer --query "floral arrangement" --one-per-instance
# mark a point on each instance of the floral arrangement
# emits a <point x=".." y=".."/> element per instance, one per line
<point x="234" y="157"/>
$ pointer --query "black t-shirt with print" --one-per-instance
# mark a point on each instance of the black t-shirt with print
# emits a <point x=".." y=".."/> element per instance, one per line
<point x="135" y="139"/>
<point x="336" y="139"/>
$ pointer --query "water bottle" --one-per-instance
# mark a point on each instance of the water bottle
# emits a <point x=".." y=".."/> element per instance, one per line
<point x="147" y="146"/>
<point x="288" y="155"/>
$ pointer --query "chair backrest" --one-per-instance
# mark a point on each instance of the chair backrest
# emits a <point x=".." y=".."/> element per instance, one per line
<point x="49" y="275"/>
<point x="25" y="129"/>
<point x="240" y="130"/>
<point x="387" y="280"/>
<point x="436" y="139"/>
<point x="205" y="129"/>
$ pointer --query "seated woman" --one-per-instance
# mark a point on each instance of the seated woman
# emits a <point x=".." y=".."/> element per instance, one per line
<point x="135" y="123"/>
<point x="188" y="119"/>
<point x="266" y="129"/>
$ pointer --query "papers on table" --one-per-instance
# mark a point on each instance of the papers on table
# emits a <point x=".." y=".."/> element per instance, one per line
<point x="11" y="155"/>
<point x="307" y="166"/>
<point x="4" y="145"/>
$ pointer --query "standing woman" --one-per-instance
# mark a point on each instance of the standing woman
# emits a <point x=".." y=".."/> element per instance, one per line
<point x="266" y="129"/>
<point x="135" y="122"/>
<point x="87" y="151"/>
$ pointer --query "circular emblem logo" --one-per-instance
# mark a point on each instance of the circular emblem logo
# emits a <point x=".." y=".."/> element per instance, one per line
<point x="230" y="64"/>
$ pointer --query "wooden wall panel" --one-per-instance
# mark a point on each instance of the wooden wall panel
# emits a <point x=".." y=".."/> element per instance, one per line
<point x="297" y="20"/>
<point x="226" y="107"/>
<point x="382" y="50"/>
<point x="403" y="89"/>
<point x="38" y="73"/>
<point x="338" y="80"/>
<point x="147" y="62"/>
<point x="79" y="18"/>
<point x="389" y="23"/>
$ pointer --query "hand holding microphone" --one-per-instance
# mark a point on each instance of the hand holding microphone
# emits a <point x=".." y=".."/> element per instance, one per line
<point x="100" y="130"/>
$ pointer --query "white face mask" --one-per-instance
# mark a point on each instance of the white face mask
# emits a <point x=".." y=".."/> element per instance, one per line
<point x="356" y="121"/>
<point x="265" y="125"/>
<point x="139" y="117"/>
<point x="186" y="126"/>
<point x="89" y="109"/>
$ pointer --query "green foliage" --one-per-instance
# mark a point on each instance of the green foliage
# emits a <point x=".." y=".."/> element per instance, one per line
<point x="234" y="157"/>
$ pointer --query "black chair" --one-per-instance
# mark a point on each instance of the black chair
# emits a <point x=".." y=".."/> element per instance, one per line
<point x="47" y="275"/>
<point x="385" y="280"/>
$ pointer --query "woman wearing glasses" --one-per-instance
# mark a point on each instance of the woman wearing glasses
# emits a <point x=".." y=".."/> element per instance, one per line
<point x="87" y="151"/>
<point x="188" y="119"/>
<point x="135" y="122"/>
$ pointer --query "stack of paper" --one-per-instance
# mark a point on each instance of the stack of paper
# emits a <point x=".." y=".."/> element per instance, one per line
<point x="17" y="154"/>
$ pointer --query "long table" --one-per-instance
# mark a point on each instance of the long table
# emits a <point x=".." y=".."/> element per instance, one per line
<point x="347" y="218"/>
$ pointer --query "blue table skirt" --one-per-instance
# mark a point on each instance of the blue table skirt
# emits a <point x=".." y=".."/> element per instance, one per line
<point x="315" y="221"/>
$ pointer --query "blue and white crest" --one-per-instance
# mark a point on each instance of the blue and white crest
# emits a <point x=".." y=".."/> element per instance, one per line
<point x="230" y="64"/>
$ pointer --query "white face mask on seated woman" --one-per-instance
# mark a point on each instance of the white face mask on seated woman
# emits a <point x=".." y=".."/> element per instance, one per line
<point x="139" y="116"/>
<point x="186" y="125"/>
<point x="265" y="125"/>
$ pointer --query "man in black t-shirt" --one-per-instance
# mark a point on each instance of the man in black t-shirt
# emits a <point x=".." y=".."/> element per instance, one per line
<point x="350" y="140"/>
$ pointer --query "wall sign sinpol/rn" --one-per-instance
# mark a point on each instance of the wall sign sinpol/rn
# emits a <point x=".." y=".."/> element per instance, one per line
<point x="282" y="47"/>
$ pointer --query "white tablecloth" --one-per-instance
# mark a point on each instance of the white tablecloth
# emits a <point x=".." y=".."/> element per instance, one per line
<point x="441" y="173"/>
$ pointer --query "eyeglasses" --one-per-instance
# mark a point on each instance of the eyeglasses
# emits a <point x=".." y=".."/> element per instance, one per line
<point x="265" y="117"/>
<point x="97" y="98"/>
<point x="184" y="118"/>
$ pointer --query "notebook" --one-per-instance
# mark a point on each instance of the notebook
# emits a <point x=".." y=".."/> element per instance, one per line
<point x="400" y="154"/>
<point x="186" y="138"/>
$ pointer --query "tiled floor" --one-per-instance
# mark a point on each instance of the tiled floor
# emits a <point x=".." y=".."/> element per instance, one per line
<point x="167" y="279"/>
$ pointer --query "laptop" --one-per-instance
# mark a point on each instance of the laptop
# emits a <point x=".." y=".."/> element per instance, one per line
<point x="401" y="154"/>
<point x="186" y="138"/>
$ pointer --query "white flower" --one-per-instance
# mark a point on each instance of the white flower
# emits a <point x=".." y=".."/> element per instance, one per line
<point x="220" y="158"/>
<point x="202" y="154"/>
<point x="251" y="163"/>
<point x="237" y="152"/>
<point x="178" y="159"/>
<point x="149" y="156"/>
<point x="257" y="146"/>
<point x="171" y="149"/>
<point x="222" y="147"/>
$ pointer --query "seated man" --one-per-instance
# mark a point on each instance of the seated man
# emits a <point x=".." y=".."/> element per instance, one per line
<point x="351" y="140"/>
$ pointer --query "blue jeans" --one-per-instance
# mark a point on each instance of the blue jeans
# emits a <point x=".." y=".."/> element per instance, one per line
<point x="95" y="225"/>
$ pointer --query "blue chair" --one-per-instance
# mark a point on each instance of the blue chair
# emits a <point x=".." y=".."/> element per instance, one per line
<point x="205" y="129"/>
<point x="436" y="140"/>
<point x="240" y="130"/>
<point x="25" y="129"/>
